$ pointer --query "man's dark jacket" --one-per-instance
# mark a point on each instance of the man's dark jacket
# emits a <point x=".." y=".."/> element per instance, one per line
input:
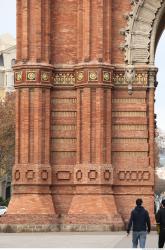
<point x="160" y="218"/>
<point x="139" y="218"/>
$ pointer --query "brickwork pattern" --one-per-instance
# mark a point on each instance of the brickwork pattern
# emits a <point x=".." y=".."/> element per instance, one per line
<point x="84" y="145"/>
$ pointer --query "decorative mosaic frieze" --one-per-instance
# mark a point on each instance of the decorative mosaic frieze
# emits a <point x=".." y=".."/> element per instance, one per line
<point x="118" y="79"/>
<point x="140" y="79"/>
<point x="64" y="78"/>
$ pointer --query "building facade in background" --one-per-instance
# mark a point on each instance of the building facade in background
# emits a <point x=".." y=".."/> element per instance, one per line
<point x="7" y="60"/>
<point x="85" y="85"/>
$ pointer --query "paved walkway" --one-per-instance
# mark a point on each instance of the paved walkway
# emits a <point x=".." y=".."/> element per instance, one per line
<point x="71" y="240"/>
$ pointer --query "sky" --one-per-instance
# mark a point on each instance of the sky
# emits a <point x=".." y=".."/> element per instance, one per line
<point x="160" y="91"/>
<point x="8" y="17"/>
<point x="8" y="25"/>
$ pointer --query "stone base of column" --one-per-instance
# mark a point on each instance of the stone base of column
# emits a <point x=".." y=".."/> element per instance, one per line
<point x="93" y="212"/>
<point x="87" y="213"/>
<point x="31" y="204"/>
<point x="48" y="223"/>
<point x="16" y="223"/>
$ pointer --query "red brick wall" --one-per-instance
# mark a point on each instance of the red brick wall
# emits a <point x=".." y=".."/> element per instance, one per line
<point x="86" y="141"/>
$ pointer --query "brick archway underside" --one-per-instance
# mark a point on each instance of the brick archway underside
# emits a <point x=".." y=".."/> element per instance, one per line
<point x="145" y="25"/>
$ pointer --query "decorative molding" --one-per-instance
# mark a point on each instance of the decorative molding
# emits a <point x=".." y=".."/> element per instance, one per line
<point x="31" y="75"/>
<point x="129" y="100"/>
<point x="34" y="175"/>
<point x="93" y="174"/>
<point x="93" y="76"/>
<point x="44" y="174"/>
<point x="128" y="114"/>
<point x="30" y="174"/>
<point x="129" y="140"/>
<point x="57" y="114"/>
<point x="130" y="127"/>
<point x="133" y="175"/>
<point x="140" y="79"/>
<point x="80" y="76"/>
<point x="18" y="76"/>
<point x="139" y="29"/>
<point x="63" y="127"/>
<point x="106" y="76"/>
<point x="63" y="175"/>
<point x="107" y="175"/>
<point x="64" y="78"/>
<point x="63" y="100"/>
<point x="45" y="76"/>
<point x="17" y="175"/>
<point x="118" y="78"/>
<point x="82" y="174"/>
<point x="129" y="154"/>
<point x="79" y="175"/>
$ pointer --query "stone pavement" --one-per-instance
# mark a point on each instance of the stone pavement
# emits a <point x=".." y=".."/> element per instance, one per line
<point x="71" y="240"/>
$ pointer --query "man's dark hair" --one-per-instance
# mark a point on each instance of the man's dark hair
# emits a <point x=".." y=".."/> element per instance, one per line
<point x="163" y="203"/>
<point x="139" y="202"/>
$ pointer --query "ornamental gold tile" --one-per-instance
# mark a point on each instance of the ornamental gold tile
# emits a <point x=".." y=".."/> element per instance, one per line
<point x="31" y="75"/>
<point x="18" y="76"/>
<point x="93" y="76"/>
<point x="80" y="76"/>
<point x="106" y="76"/>
<point x="45" y="76"/>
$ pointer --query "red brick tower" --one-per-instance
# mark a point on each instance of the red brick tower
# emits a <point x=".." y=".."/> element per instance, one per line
<point x="84" y="113"/>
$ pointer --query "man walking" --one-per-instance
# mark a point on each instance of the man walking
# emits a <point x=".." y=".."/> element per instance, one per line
<point x="160" y="219"/>
<point x="141" y="224"/>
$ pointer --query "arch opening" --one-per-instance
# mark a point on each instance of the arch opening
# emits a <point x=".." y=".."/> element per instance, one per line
<point x="157" y="55"/>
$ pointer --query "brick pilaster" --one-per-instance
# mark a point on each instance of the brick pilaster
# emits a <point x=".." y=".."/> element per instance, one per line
<point x="32" y="173"/>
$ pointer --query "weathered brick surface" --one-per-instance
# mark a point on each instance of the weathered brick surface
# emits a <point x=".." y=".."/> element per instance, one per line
<point x="84" y="146"/>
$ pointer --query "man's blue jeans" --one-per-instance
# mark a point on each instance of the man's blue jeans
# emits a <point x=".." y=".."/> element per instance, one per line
<point x="139" y="237"/>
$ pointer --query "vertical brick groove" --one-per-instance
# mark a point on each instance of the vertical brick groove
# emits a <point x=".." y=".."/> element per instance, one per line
<point x="25" y="29"/>
<point x="17" y="130"/>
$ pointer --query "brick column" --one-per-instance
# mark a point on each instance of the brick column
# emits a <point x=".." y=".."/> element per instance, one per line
<point x="32" y="170"/>
<point x="32" y="175"/>
<point x="93" y="198"/>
